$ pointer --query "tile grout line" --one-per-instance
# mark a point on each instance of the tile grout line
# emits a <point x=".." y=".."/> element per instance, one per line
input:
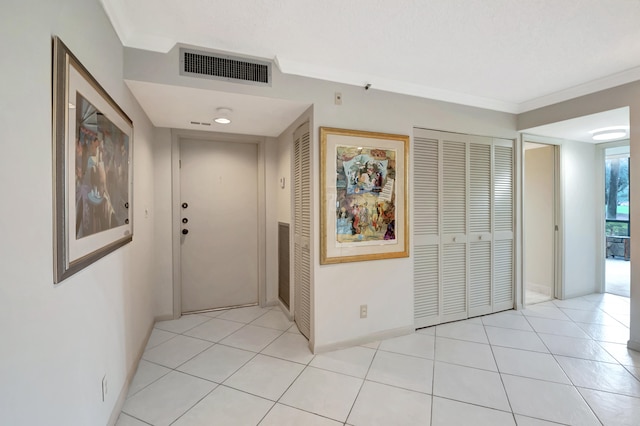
<point x="433" y="377"/>
<point x="504" y="388"/>
<point x="364" y="379"/>
<point x="573" y="385"/>
<point x="211" y="381"/>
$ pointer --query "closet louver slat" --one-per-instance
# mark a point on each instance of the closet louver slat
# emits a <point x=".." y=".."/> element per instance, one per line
<point x="463" y="226"/>
<point x="302" y="229"/>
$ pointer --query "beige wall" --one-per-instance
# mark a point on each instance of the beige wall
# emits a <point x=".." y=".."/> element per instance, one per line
<point x="539" y="170"/>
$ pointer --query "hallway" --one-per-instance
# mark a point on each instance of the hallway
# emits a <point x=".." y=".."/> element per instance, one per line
<point x="559" y="361"/>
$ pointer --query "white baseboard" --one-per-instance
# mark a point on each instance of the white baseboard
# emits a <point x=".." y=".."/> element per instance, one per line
<point x="373" y="337"/>
<point x="163" y="318"/>
<point x="115" y="413"/>
<point x="539" y="288"/>
<point x="285" y="310"/>
<point x="633" y="345"/>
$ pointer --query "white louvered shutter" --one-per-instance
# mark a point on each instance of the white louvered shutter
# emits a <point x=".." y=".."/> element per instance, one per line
<point x="426" y="228"/>
<point x="503" y="225"/>
<point x="480" y="226"/>
<point x="454" y="229"/>
<point x="302" y="229"/>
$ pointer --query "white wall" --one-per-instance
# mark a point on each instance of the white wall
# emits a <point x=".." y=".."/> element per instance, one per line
<point x="580" y="218"/>
<point x="58" y="341"/>
<point x="386" y="286"/>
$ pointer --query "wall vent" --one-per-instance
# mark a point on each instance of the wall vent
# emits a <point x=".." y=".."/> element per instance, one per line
<point x="200" y="64"/>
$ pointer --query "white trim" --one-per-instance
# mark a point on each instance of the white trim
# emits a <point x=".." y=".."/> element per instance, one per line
<point x="588" y="88"/>
<point x="633" y="345"/>
<point x="559" y="219"/>
<point x="518" y="218"/>
<point x="361" y="340"/>
<point x="176" y="136"/>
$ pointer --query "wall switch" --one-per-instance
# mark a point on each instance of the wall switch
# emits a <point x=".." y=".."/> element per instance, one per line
<point x="104" y="388"/>
<point x="363" y="311"/>
<point x="338" y="98"/>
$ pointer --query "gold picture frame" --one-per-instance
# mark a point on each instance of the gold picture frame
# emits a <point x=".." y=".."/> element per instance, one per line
<point x="364" y="196"/>
<point x="92" y="168"/>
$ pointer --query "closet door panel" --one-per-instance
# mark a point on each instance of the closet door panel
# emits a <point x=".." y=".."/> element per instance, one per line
<point x="426" y="231"/>
<point x="454" y="282"/>
<point x="503" y="164"/>
<point x="480" y="213"/>
<point x="302" y="229"/>
<point x="454" y="230"/>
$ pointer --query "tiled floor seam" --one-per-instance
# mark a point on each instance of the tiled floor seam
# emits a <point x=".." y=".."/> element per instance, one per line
<point x="364" y="379"/>
<point x="298" y="408"/>
<point x="196" y="403"/>
<point x="433" y="377"/>
<point x="506" y="394"/>
<point x="574" y="386"/>
<point x="193" y="375"/>
<point x="140" y="420"/>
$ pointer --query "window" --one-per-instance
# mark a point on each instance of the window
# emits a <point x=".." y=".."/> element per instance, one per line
<point x="617" y="191"/>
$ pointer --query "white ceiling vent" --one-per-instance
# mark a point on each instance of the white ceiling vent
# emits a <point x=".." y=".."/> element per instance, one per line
<point x="234" y="69"/>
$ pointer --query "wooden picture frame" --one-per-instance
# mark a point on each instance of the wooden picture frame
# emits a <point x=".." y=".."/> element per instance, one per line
<point x="364" y="196"/>
<point x="92" y="170"/>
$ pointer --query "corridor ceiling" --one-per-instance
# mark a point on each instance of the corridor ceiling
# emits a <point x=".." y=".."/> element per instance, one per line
<point x="505" y="55"/>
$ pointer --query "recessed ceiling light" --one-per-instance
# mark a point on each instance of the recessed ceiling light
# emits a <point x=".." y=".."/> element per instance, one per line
<point x="223" y="115"/>
<point x="609" y="133"/>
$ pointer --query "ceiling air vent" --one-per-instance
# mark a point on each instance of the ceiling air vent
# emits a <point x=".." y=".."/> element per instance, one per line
<point x="223" y="67"/>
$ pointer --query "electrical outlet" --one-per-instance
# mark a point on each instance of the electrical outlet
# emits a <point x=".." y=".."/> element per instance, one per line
<point x="338" y="98"/>
<point x="104" y="388"/>
<point x="363" y="311"/>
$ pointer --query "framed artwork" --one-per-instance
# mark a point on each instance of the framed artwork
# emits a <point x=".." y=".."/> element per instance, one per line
<point x="92" y="170"/>
<point x="364" y="194"/>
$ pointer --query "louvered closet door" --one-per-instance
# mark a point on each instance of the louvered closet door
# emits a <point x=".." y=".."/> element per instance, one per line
<point x="480" y="226"/>
<point x="426" y="228"/>
<point x="302" y="229"/>
<point x="454" y="229"/>
<point x="503" y="225"/>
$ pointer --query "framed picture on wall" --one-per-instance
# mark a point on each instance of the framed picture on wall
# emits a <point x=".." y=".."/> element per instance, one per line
<point x="92" y="170"/>
<point x="364" y="195"/>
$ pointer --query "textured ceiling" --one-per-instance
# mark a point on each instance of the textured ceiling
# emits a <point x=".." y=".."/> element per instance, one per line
<point x="505" y="55"/>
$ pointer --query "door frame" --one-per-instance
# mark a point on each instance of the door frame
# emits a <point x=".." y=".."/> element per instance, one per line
<point x="176" y="136"/>
<point x="558" y="217"/>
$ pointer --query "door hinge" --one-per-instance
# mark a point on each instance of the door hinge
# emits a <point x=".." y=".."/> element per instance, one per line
<point x="179" y="164"/>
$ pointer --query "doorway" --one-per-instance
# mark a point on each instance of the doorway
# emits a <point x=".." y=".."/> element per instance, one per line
<point x="540" y="230"/>
<point x="217" y="210"/>
<point x="617" y="224"/>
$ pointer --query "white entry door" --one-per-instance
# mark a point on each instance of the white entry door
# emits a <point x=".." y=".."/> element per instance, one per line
<point x="219" y="224"/>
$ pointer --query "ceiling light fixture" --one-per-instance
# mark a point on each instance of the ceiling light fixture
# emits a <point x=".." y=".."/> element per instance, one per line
<point x="223" y="115"/>
<point x="609" y="133"/>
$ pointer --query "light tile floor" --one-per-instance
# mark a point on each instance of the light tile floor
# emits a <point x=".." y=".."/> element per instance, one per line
<point x="558" y="362"/>
<point x="618" y="276"/>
